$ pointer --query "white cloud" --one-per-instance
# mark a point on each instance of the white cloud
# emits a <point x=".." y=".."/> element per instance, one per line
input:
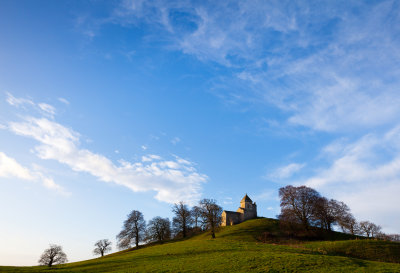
<point x="286" y="171"/>
<point x="17" y="101"/>
<point x="63" y="100"/>
<point x="10" y="168"/>
<point x="42" y="108"/>
<point x="327" y="67"/>
<point x="365" y="174"/>
<point x="47" y="108"/>
<point x="173" y="180"/>
<point x="144" y="147"/>
<point x="148" y="158"/>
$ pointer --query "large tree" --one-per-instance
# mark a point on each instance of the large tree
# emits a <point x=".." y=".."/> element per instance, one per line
<point x="329" y="212"/>
<point x="211" y="214"/>
<point x="101" y="247"/>
<point x="53" y="255"/>
<point x="298" y="204"/>
<point x="158" y="229"/>
<point x="182" y="219"/>
<point x="133" y="230"/>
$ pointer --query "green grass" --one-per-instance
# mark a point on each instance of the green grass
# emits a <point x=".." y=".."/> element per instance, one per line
<point x="365" y="249"/>
<point x="237" y="249"/>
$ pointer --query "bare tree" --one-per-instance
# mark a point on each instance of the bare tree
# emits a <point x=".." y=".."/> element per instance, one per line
<point x="132" y="231"/>
<point x="53" y="255"/>
<point x="298" y="204"/>
<point x="211" y="214"/>
<point x="324" y="213"/>
<point x="158" y="229"/>
<point x="329" y="212"/>
<point x="196" y="216"/>
<point x="375" y="230"/>
<point x="369" y="228"/>
<point x="394" y="237"/>
<point x="182" y="219"/>
<point x="349" y="224"/>
<point x="101" y="247"/>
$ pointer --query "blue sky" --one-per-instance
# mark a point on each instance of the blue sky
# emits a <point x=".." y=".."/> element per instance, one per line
<point x="111" y="106"/>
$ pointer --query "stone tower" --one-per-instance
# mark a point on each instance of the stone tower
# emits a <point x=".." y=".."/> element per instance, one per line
<point x="246" y="211"/>
<point x="248" y="208"/>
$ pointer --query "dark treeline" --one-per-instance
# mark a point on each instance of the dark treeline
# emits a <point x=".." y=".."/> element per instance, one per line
<point x="303" y="209"/>
<point x="205" y="216"/>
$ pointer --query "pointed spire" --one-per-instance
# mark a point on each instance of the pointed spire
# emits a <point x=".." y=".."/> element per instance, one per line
<point x="246" y="199"/>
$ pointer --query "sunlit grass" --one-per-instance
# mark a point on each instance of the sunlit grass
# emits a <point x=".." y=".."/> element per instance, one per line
<point x="237" y="249"/>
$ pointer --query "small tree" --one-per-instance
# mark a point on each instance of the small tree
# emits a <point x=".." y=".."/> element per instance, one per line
<point x="375" y="230"/>
<point x="159" y="229"/>
<point x="53" y="255"/>
<point x="369" y="228"/>
<point x="211" y="214"/>
<point x="182" y="219"/>
<point x="102" y="247"/>
<point x="132" y="231"/>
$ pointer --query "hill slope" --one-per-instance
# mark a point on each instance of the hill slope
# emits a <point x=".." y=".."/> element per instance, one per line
<point x="236" y="249"/>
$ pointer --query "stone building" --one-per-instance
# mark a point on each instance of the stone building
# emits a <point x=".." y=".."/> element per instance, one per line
<point x="246" y="211"/>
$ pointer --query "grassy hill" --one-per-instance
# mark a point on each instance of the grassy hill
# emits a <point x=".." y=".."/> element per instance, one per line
<point x="239" y="249"/>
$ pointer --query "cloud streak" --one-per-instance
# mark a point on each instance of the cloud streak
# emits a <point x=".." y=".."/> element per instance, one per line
<point x="286" y="171"/>
<point x="326" y="67"/>
<point x="172" y="180"/>
<point x="10" y="168"/>
<point x="365" y="174"/>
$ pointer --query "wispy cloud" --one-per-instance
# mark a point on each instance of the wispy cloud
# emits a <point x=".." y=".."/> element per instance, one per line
<point x="47" y="109"/>
<point x="285" y="171"/>
<point x="10" y="168"/>
<point x="365" y="174"/>
<point x="148" y="158"/>
<point x="175" y="140"/>
<point x="28" y="104"/>
<point x="173" y="180"/>
<point x="327" y="67"/>
<point x="17" y="101"/>
<point x="64" y="100"/>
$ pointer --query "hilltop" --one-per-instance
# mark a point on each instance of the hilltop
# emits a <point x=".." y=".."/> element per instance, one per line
<point x="255" y="245"/>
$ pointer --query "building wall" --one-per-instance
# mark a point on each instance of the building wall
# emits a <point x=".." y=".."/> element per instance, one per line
<point x="246" y="211"/>
<point x="230" y="218"/>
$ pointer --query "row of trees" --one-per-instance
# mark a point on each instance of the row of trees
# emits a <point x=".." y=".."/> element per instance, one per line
<point x="303" y="207"/>
<point x="206" y="215"/>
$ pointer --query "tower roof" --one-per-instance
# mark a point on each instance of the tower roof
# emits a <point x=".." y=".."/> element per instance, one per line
<point x="246" y="199"/>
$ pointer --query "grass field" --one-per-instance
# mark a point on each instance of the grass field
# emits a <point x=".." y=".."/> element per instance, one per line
<point x="237" y="249"/>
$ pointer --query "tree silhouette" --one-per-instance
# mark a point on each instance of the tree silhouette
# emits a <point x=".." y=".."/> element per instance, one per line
<point x="102" y="246"/>
<point x="196" y="213"/>
<point x="132" y="231"/>
<point x="53" y="255"/>
<point x="211" y="214"/>
<point x="298" y="204"/>
<point x="182" y="219"/>
<point x="158" y="229"/>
